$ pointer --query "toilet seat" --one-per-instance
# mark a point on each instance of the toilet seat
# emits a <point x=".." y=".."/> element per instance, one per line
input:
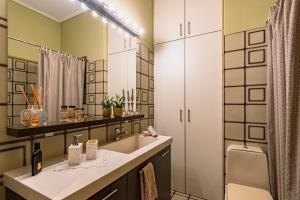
<point x="242" y="192"/>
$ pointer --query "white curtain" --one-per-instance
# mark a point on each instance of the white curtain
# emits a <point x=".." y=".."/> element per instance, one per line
<point x="62" y="80"/>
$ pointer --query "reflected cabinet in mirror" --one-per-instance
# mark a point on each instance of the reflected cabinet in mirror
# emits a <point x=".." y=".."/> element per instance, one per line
<point x="67" y="57"/>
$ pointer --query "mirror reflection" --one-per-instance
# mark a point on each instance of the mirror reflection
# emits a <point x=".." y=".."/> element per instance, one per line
<point x="59" y="58"/>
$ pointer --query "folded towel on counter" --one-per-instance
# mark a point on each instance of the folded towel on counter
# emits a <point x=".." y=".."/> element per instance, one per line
<point x="152" y="131"/>
<point x="148" y="183"/>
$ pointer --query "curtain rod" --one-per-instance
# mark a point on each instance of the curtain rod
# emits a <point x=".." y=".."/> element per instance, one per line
<point x="39" y="46"/>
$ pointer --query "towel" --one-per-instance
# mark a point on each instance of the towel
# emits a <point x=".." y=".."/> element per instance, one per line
<point x="152" y="131"/>
<point x="148" y="184"/>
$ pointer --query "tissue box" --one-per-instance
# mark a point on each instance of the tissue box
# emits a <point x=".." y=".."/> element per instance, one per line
<point x="91" y="149"/>
<point x="74" y="154"/>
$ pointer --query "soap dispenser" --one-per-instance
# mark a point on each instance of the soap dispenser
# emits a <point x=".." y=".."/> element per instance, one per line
<point x="75" y="151"/>
<point x="36" y="159"/>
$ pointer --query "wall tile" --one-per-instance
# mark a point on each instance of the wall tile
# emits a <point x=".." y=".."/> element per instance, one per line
<point x="144" y="67"/>
<point x="234" y="77"/>
<point x="256" y="94"/>
<point x="235" y="41"/>
<point x="99" y="133"/>
<point x="3" y="88"/>
<point x="3" y="45"/>
<point x="234" y="59"/>
<point x="48" y="144"/>
<point x="234" y="131"/>
<point x="144" y="82"/>
<point x="256" y="113"/>
<point x="256" y="75"/>
<point x="256" y="37"/>
<point x="256" y="132"/>
<point x="256" y="56"/>
<point x="234" y="113"/>
<point x="234" y="95"/>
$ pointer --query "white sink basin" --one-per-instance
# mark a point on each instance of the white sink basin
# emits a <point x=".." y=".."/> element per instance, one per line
<point x="130" y="144"/>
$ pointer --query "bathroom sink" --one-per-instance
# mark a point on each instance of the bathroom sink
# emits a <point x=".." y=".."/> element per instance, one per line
<point x="130" y="144"/>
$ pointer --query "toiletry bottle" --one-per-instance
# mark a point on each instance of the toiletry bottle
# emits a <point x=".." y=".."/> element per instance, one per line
<point x="71" y="114"/>
<point x="75" y="151"/>
<point x="63" y="114"/>
<point x="36" y="159"/>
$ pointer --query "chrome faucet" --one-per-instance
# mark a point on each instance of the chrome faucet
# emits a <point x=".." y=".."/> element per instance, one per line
<point x="118" y="133"/>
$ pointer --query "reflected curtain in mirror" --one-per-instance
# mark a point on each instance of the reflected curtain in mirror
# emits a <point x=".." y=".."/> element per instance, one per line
<point x="62" y="80"/>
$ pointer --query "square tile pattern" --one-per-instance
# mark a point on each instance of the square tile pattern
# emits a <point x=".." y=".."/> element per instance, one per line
<point x="245" y="86"/>
<point x="21" y="72"/>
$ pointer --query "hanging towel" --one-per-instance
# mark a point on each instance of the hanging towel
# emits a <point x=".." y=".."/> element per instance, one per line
<point x="148" y="184"/>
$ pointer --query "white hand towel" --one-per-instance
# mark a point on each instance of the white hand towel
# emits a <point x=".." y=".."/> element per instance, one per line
<point x="152" y="131"/>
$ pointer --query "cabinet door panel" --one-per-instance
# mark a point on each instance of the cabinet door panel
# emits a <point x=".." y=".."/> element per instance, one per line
<point x="168" y="20"/>
<point x="169" y="100"/>
<point x="204" y="152"/>
<point x="116" y="41"/>
<point x="117" y="73"/>
<point x="203" y="16"/>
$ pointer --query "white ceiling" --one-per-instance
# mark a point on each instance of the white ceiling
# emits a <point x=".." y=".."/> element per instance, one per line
<point x="58" y="10"/>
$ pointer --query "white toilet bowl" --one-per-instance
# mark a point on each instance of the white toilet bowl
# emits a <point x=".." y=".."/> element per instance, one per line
<point x="247" y="176"/>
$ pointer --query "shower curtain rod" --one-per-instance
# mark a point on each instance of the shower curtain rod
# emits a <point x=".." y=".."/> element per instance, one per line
<point x="40" y="46"/>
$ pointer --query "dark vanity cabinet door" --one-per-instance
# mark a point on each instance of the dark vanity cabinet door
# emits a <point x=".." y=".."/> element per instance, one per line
<point x="162" y="166"/>
<point x="115" y="191"/>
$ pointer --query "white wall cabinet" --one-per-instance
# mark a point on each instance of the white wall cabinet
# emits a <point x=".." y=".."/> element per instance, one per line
<point x="204" y="149"/>
<point x="177" y="19"/>
<point x="188" y="107"/>
<point x="117" y="42"/>
<point x="169" y="104"/>
<point x="168" y="20"/>
<point x="203" y="16"/>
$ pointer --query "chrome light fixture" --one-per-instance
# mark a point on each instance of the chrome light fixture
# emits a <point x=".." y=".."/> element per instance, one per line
<point x="99" y="7"/>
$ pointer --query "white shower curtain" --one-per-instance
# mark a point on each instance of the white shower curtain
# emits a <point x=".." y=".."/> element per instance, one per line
<point x="62" y="80"/>
<point x="284" y="99"/>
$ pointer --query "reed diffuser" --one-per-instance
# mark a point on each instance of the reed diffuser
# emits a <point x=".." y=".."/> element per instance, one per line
<point x="34" y="115"/>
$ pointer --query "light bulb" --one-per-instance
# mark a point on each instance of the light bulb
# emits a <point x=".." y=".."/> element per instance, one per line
<point x="126" y="35"/>
<point x="83" y="6"/>
<point x="104" y="20"/>
<point x="113" y="25"/>
<point x="95" y="14"/>
<point x="120" y="30"/>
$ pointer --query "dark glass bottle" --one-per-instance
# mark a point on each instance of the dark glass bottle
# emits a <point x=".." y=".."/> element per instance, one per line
<point x="36" y="159"/>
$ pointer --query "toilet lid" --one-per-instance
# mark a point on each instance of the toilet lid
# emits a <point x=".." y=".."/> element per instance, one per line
<point x="238" y="192"/>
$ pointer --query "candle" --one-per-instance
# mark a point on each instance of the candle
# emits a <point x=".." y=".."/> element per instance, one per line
<point x="128" y="94"/>
<point x="132" y="93"/>
<point x="123" y="93"/>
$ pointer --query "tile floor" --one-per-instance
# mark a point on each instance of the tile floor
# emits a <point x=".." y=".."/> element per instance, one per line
<point x="181" y="196"/>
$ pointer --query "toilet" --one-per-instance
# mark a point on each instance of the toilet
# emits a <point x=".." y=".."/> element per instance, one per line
<point x="247" y="175"/>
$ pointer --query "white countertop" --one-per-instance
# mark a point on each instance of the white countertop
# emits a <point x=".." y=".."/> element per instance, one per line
<point x="58" y="181"/>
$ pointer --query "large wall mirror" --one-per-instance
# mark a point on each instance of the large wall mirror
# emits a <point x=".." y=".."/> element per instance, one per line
<point x="68" y="51"/>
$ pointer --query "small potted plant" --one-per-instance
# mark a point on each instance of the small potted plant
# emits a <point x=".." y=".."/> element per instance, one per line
<point x="118" y="104"/>
<point x="106" y="106"/>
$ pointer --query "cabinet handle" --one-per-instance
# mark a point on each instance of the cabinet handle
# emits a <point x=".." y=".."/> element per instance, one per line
<point x="164" y="154"/>
<point x="180" y="29"/>
<point x="189" y="115"/>
<point x="180" y="115"/>
<point x="189" y="28"/>
<point x="109" y="195"/>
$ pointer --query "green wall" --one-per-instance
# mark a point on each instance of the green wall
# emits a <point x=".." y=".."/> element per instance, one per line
<point x="31" y="26"/>
<point x="139" y="12"/>
<point x="84" y="35"/>
<point x="241" y="15"/>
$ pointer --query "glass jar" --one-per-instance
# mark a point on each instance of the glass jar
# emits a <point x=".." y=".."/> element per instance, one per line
<point x="78" y="115"/>
<point x="25" y="116"/>
<point x="38" y="117"/>
<point x="63" y="114"/>
<point x="35" y="116"/>
<point x="71" y="114"/>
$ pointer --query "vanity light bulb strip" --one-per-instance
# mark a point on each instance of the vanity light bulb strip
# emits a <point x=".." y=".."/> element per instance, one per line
<point x="109" y="14"/>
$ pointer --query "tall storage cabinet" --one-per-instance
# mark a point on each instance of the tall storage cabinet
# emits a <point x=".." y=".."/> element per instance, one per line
<point x="188" y="94"/>
<point x="169" y="104"/>
<point x="204" y="140"/>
